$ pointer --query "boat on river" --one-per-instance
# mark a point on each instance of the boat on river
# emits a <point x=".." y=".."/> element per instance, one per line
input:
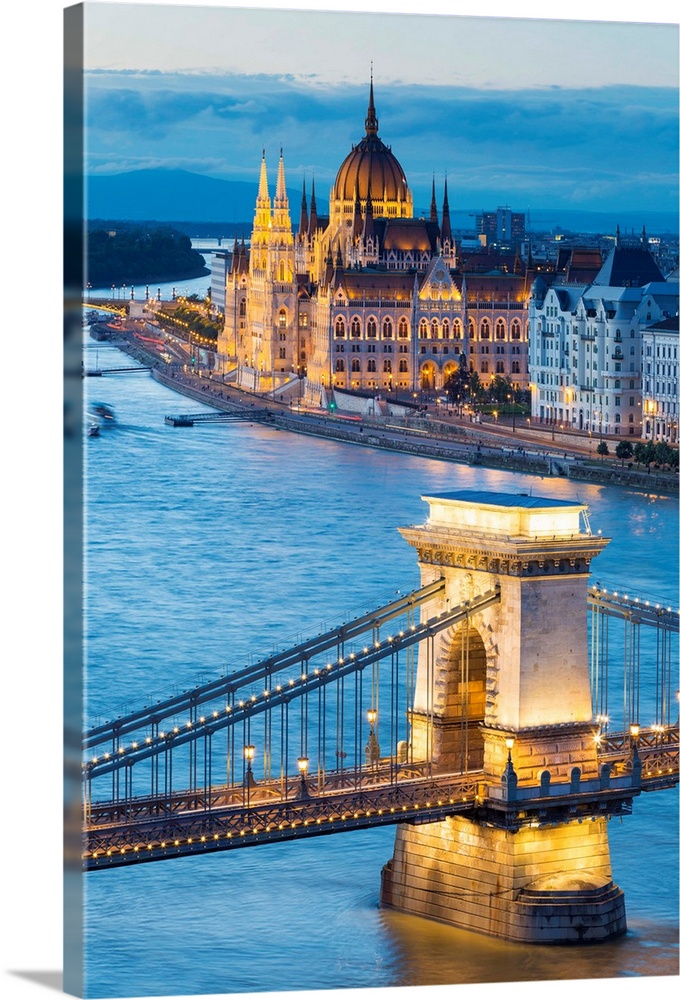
<point x="101" y="414"/>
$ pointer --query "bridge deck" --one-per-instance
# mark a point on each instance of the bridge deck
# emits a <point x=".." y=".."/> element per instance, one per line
<point x="225" y="817"/>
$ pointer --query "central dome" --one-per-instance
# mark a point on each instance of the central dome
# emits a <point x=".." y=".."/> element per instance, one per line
<point x="372" y="168"/>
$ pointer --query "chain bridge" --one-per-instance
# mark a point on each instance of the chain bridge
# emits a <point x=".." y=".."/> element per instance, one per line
<point x="400" y="716"/>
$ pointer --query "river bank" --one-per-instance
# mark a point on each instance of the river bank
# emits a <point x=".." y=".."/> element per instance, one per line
<point x="484" y="445"/>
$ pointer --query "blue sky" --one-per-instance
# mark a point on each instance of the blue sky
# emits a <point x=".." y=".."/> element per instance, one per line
<point x="531" y="113"/>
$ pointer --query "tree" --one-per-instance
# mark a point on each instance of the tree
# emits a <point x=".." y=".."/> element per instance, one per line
<point x="663" y="454"/>
<point x="603" y="449"/>
<point x="643" y="452"/>
<point x="500" y="389"/>
<point x="457" y="384"/>
<point x="624" y="450"/>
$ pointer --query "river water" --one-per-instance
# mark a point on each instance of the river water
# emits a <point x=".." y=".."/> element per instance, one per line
<point x="210" y="544"/>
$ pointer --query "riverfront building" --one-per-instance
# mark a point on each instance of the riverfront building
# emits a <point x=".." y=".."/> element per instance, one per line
<point x="660" y="381"/>
<point x="591" y="330"/>
<point x="369" y="298"/>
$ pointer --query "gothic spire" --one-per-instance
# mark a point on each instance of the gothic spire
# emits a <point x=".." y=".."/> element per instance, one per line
<point x="357" y="222"/>
<point x="369" y="227"/>
<point x="304" y="220"/>
<point x="281" y="195"/>
<point x="433" y="205"/>
<point x="313" y="222"/>
<point x="263" y="190"/>
<point x="446" y="218"/>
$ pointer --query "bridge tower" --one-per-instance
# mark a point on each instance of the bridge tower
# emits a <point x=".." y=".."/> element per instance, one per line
<point x="508" y="692"/>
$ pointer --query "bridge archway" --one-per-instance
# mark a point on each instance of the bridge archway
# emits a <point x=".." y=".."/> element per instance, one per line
<point x="447" y="718"/>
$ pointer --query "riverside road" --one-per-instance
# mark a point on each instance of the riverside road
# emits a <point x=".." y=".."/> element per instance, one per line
<point x="439" y="433"/>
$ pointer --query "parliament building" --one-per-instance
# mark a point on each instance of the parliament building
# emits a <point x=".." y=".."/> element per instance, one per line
<point x="368" y="298"/>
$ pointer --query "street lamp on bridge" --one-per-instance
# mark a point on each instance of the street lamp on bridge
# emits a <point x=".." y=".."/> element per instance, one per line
<point x="303" y="765"/>
<point x="372" y="748"/>
<point x="248" y="780"/>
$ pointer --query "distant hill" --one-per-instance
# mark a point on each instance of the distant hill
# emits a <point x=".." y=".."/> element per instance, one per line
<point x="168" y="195"/>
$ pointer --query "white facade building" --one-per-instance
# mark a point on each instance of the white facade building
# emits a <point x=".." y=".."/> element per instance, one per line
<point x="586" y="343"/>
<point x="660" y="381"/>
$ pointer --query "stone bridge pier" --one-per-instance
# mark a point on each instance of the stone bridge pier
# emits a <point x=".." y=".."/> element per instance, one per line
<point x="508" y="692"/>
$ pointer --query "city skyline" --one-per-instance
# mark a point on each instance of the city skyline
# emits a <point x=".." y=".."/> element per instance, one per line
<point x="553" y="114"/>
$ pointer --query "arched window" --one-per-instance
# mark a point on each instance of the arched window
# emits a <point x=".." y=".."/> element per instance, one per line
<point x="485" y="367"/>
<point x="387" y="327"/>
<point x="446" y="332"/>
<point x="356" y="327"/>
<point x="403" y="327"/>
<point x="387" y="365"/>
<point x="422" y="329"/>
<point x="471" y="329"/>
<point x="282" y="271"/>
<point x="515" y="330"/>
<point x="435" y="329"/>
<point x="456" y="329"/>
<point x="371" y="365"/>
<point x="340" y="365"/>
<point x="403" y="365"/>
<point x="485" y="330"/>
<point x="242" y="307"/>
<point x="371" y="328"/>
<point x="500" y="330"/>
<point x="515" y="367"/>
<point x="283" y="320"/>
<point x="282" y="336"/>
<point x="356" y="366"/>
<point x="339" y="327"/>
<point x="500" y="368"/>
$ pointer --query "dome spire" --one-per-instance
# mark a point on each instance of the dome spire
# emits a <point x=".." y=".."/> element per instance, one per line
<point x="371" y="122"/>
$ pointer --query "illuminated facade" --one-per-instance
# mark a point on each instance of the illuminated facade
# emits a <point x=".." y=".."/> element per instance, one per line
<point x="587" y="331"/>
<point x="369" y="297"/>
<point x="660" y="381"/>
<point x="485" y="698"/>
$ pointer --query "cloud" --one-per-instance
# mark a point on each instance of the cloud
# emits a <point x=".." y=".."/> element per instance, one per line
<point x="612" y="144"/>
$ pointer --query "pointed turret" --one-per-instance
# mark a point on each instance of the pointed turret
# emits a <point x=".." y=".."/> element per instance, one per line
<point x="263" y="207"/>
<point x="304" y="219"/>
<point x="235" y="258"/>
<point x="446" y="218"/>
<point x="328" y="273"/>
<point x="433" y="205"/>
<point x="369" y="225"/>
<point x="244" y="256"/>
<point x="263" y="199"/>
<point x="280" y="196"/>
<point x="357" y="221"/>
<point x="313" y="219"/>
<point x="518" y="264"/>
<point x="281" y="215"/>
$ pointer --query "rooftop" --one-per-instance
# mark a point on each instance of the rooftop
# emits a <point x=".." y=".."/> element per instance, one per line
<point x="506" y="499"/>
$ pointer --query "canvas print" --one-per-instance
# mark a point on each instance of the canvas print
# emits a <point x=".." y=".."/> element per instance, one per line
<point x="371" y="429"/>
